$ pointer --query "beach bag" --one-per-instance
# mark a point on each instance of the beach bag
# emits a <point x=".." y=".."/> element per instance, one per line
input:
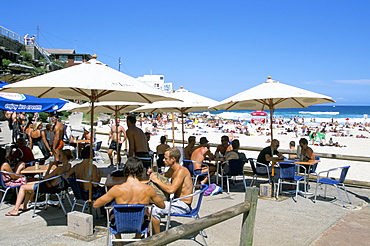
<point x="162" y="194"/>
<point x="44" y="150"/>
<point x="37" y="153"/>
<point x="212" y="190"/>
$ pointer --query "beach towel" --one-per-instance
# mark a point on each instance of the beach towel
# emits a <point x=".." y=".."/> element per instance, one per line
<point x="212" y="190"/>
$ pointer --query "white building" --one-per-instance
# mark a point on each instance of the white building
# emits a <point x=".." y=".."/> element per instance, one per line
<point x="157" y="81"/>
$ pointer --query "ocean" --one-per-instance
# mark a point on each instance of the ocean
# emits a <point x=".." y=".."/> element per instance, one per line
<point x="323" y="113"/>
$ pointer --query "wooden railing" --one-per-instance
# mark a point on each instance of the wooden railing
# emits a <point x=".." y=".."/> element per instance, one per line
<point x="247" y="208"/>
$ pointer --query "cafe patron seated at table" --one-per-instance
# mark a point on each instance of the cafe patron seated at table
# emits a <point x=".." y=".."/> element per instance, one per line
<point x="27" y="191"/>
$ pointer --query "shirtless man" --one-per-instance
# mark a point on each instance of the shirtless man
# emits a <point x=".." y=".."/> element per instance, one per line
<point x="115" y="135"/>
<point x="138" y="144"/>
<point x="198" y="157"/>
<point x="188" y="150"/>
<point x="224" y="146"/>
<point x="58" y="143"/>
<point x="182" y="185"/>
<point x="132" y="191"/>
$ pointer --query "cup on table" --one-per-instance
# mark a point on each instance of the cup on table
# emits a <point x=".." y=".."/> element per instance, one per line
<point x="37" y="165"/>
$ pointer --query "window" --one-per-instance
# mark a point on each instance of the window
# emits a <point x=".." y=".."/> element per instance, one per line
<point x="78" y="59"/>
<point x="63" y="58"/>
<point x="161" y="78"/>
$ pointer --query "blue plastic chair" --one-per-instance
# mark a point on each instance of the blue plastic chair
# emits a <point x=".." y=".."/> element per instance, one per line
<point x="194" y="213"/>
<point x="4" y="188"/>
<point x="79" y="194"/>
<point x="235" y="168"/>
<point x="96" y="149"/>
<point x="336" y="183"/>
<point x="189" y="164"/>
<point x="314" y="166"/>
<point x="288" y="176"/>
<point x="128" y="218"/>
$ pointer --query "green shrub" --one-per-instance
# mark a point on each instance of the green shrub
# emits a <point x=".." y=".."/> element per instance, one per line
<point x="6" y="62"/>
<point x="26" y="56"/>
<point x="43" y="117"/>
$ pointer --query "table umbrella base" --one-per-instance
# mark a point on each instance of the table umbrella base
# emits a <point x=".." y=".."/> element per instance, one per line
<point x="281" y="198"/>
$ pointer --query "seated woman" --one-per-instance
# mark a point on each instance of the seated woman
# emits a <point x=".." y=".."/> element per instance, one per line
<point x="307" y="153"/>
<point x="82" y="171"/>
<point x="160" y="151"/>
<point x="27" y="191"/>
<point x="11" y="180"/>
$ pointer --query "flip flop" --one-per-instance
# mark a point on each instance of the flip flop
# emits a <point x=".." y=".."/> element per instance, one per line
<point x="9" y="214"/>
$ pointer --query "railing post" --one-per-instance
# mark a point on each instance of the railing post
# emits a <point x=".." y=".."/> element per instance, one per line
<point x="246" y="235"/>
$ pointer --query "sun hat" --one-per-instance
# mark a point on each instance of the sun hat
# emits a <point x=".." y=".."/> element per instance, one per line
<point x="203" y="140"/>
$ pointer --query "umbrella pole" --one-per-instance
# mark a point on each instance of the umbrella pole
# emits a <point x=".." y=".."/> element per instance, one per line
<point x="118" y="138"/>
<point x="173" y="129"/>
<point x="182" y="123"/>
<point x="91" y="143"/>
<point x="272" y="155"/>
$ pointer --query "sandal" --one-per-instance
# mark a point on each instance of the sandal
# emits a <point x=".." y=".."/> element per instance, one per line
<point x="10" y="214"/>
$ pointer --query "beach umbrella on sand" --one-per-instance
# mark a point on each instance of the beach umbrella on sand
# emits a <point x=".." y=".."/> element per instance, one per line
<point x="91" y="81"/>
<point x="272" y="95"/>
<point x="190" y="102"/>
<point x="259" y="113"/>
<point x="116" y="108"/>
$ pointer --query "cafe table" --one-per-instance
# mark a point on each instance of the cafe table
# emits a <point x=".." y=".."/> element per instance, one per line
<point x="216" y="162"/>
<point x="78" y="142"/>
<point x="41" y="170"/>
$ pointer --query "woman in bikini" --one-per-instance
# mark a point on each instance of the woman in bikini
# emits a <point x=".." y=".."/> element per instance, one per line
<point x="27" y="191"/>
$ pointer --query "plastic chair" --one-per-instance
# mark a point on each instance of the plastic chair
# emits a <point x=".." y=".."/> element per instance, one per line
<point x="127" y="219"/>
<point x="235" y="169"/>
<point x="288" y="176"/>
<point x="78" y="193"/>
<point x="147" y="161"/>
<point x="4" y="188"/>
<point x="314" y="166"/>
<point x="189" y="164"/>
<point x="96" y="149"/>
<point x="256" y="173"/>
<point x="160" y="162"/>
<point x="53" y="190"/>
<point x="336" y="183"/>
<point x="194" y="213"/>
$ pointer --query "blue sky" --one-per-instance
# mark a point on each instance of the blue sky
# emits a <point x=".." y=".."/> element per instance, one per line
<point x="214" y="48"/>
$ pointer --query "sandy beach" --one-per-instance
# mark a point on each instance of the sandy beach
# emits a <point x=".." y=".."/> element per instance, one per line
<point x="353" y="146"/>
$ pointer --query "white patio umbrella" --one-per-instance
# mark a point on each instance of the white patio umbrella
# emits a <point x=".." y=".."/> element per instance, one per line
<point x="272" y="95"/>
<point x="116" y="108"/>
<point x="90" y="81"/>
<point x="191" y="102"/>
